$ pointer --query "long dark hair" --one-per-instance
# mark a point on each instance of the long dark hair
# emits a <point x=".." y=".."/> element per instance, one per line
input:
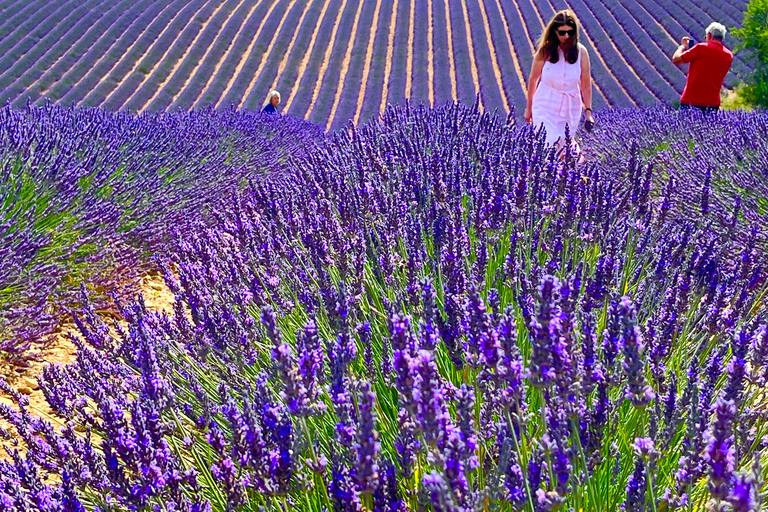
<point x="548" y="42"/>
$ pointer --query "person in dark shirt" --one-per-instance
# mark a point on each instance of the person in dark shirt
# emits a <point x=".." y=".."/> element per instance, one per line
<point x="273" y="100"/>
<point x="710" y="62"/>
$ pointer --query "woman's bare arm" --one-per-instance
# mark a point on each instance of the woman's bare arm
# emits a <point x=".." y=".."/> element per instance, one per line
<point x="533" y="82"/>
<point x="586" y="83"/>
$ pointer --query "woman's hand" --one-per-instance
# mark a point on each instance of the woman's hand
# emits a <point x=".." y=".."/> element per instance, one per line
<point x="528" y="116"/>
<point x="589" y="121"/>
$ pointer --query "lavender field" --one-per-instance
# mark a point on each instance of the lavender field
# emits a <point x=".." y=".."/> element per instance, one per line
<point x="204" y="308"/>
<point x="333" y="60"/>
<point x="433" y="311"/>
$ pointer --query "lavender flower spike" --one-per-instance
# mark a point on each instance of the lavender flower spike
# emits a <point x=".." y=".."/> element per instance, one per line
<point x="638" y="391"/>
<point x="367" y="444"/>
<point x="720" y="453"/>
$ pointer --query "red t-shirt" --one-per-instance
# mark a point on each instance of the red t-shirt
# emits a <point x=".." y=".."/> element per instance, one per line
<point x="710" y="62"/>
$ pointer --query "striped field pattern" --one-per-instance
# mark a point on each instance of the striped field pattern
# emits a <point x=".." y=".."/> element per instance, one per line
<point x="333" y="60"/>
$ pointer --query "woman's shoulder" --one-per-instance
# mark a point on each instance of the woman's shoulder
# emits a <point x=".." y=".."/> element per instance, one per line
<point x="582" y="48"/>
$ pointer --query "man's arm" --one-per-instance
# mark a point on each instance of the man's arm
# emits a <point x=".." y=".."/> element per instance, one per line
<point x="677" y="57"/>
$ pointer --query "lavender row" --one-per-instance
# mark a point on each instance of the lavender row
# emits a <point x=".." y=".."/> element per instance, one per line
<point x="514" y="91"/>
<point x="17" y="26"/>
<point x="619" y="67"/>
<point x="491" y="89"/>
<point x="170" y="85"/>
<point x="375" y="79"/>
<point x="290" y="73"/>
<point x="321" y="110"/>
<point x="398" y="71"/>
<point x="420" y="74"/>
<point x="236" y="94"/>
<point x="345" y="110"/>
<point x="465" y="84"/>
<point x="98" y="62"/>
<point x="723" y="12"/>
<point x="122" y="86"/>
<point x="26" y="53"/>
<point x="657" y="34"/>
<point x="700" y="19"/>
<point x="257" y="96"/>
<point x="443" y="81"/>
<point x="55" y="52"/>
<point x="239" y="44"/>
<point x="700" y="15"/>
<point x="84" y="53"/>
<point x="652" y="77"/>
<point x="215" y="50"/>
<point x="304" y="88"/>
<point x="529" y="19"/>
<point x="103" y="79"/>
<point x="159" y="75"/>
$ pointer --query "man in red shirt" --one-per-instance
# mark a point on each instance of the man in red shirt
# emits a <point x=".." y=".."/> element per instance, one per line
<point x="710" y="62"/>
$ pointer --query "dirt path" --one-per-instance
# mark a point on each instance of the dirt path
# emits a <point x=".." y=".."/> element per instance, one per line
<point x="157" y="298"/>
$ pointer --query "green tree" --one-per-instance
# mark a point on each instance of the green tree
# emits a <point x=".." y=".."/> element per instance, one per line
<point x="753" y="36"/>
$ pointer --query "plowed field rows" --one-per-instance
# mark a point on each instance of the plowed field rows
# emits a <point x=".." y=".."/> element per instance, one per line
<point x="333" y="60"/>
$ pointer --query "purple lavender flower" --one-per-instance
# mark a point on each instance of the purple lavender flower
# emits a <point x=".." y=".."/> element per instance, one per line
<point x="636" y="489"/>
<point x="611" y="339"/>
<point x="744" y="496"/>
<point x="542" y="342"/>
<point x="465" y="421"/>
<point x="341" y="489"/>
<point x="367" y="444"/>
<point x="364" y="332"/>
<point x="439" y="493"/>
<point x="705" y="192"/>
<point x="758" y="356"/>
<point x="431" y="412"/>
<point x="387" y="497"/>
<point x="549" y="501"/>
<point x="225" y="472"/>
<point x="428" y="323"/>
<point x="511" y="370"/>
<point x="720" y="451"/>
<point x="637" y="390"/>
<point x="406" y="444"/>
<point x="403" y="350"/>
<point x="311" y="367"/>
<point x="591" y="367"/>
<point x="454" y="455"/>
<point x="737" y="366"/>
<point x="451" y="330"/>
<point x="645" y="448"/>
<point x="482" y="339"/>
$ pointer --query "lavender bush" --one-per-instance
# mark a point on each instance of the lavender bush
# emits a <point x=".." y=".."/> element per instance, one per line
<point x="84" y="194"/>
<point x="429" y="312"/>
<point x="707" y="165"/>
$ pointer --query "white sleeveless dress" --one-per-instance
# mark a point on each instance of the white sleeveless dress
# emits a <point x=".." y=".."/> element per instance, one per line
<point x="557" y="100"/>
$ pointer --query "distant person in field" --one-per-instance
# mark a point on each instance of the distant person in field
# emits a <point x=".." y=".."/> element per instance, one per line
<point x="273" y="100"/>
<point x="560" y="82"/>
<point x="710" y="62"/>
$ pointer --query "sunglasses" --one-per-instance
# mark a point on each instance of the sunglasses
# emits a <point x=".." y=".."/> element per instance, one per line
<point x="566" y="32"/>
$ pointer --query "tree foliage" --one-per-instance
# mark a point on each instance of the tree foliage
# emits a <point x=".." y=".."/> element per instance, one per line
<point x="753" y="36"/>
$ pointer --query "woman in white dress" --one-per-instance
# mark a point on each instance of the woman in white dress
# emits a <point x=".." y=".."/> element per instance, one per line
<point x="560" y="82"/>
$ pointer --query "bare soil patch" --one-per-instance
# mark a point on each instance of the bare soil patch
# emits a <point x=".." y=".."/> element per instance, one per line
<point x="157" y="298"/>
